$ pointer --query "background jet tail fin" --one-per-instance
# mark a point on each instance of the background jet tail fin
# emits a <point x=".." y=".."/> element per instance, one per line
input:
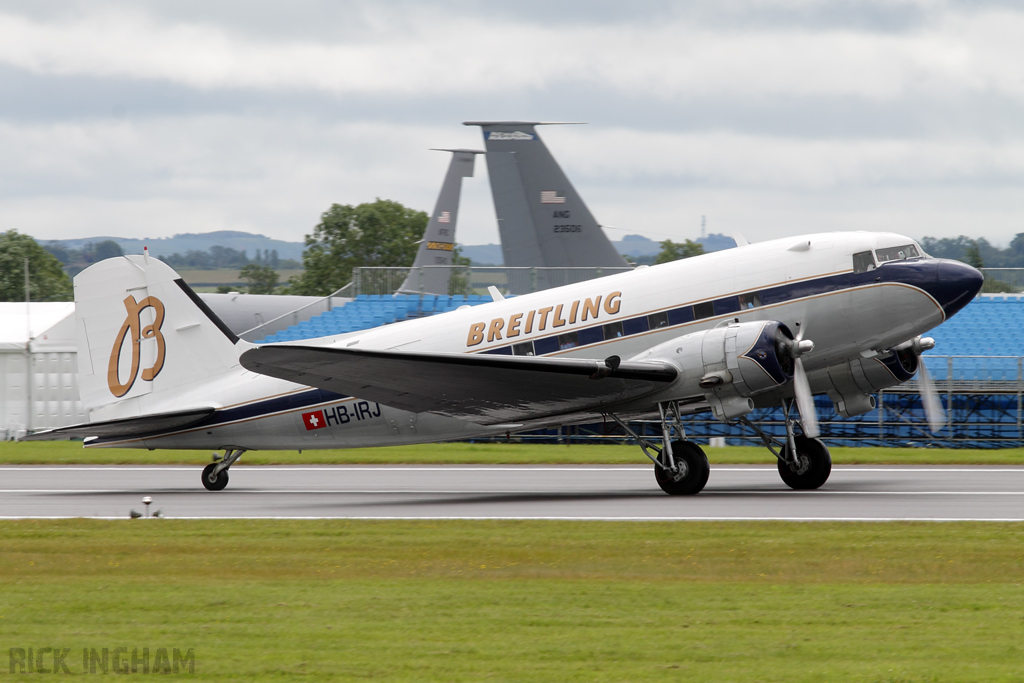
<point x="142" y="331"/>
<point x="439" y="238"/>
<point x="541" y="218"/>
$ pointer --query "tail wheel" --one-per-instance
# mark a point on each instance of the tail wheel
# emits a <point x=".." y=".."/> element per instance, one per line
<point x="814" y="464"/>
<point x="214" y="482"/>
<point x="691" y="473"/>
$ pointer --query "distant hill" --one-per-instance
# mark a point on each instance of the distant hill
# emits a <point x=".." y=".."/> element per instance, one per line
<point x="716" y="242"/>
<point x="482" y="254"/>
<point x="635" y="246"/>
<point x="165" y="246"/>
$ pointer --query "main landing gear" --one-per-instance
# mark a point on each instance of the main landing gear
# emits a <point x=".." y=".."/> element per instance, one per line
<point x="215" y="475"/>
<point x="680" y="467"/>
<point x="804" y="463"/>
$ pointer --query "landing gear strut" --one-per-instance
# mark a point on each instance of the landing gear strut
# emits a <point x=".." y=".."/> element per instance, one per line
<point x="215" y="475"/>
<point x="680" y="467"/>
<point x="804" y="463"/>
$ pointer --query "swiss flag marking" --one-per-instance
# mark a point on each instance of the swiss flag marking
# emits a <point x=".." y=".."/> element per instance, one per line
<point x="314" y="420"/>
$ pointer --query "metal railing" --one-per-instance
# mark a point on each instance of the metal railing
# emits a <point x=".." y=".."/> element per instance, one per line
<point x="473" y="279"/>
<point x="1000" y="280"/>
<point x="310" y="310"/>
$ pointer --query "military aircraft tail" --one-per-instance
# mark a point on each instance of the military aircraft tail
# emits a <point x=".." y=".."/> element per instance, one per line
<point x="541" y="218"/>
<point x="142" y="331"/>
<point x="439" y="238"/>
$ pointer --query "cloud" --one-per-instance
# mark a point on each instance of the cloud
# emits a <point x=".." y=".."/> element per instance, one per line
<point x="735" y="160"/>
<point x="163" y="176"/>
<point x="770" y="116"/>
<point x="273" y="176"/>
<point x="418" y="51"/>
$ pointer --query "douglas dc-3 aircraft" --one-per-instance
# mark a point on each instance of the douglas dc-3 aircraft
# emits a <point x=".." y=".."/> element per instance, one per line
<point x="766" y="324"/>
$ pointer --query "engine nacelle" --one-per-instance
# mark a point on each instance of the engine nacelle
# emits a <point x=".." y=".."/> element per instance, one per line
<point x="854" y="383"/>
<point x="729" y="364"/>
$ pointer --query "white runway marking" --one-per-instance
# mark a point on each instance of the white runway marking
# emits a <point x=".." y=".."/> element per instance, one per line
<point x="529" y="492"/>
<point x="510" y="492"/>
<point x="549" y="518"/>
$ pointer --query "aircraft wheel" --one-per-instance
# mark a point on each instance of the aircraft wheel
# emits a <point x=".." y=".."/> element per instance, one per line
<point x="815" y="464"/>
<point x="214" y="482"/>
<point x="693" y="470"/>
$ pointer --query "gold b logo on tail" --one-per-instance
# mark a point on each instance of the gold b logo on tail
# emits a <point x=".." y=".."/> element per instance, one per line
<point x="133" y="324"/>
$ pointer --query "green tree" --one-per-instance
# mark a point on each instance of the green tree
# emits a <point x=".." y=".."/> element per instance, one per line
<point x="458" y="278"/>
<point x="102" y="251"/>
<point x="382" y="233"/>
<point x="973" y="255"/>
<point x="260" y="279"/>
<point x="673" y="251"/>
<point x="47" y="280"/>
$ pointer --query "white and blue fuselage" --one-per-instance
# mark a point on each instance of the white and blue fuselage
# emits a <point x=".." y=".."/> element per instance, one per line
<point x="856" y="295"/>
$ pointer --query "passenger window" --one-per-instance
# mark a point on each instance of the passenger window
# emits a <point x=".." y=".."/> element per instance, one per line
<point x="523" y="349"/>
<point x="863" y="262"/>
<point x="751" y="300"/>
<point x="703" y="310"/>
<point x="569" y="340"/>
<point x="613" y="330"/>
<point x="656" y="320"/>
<point x="897" y="253"/>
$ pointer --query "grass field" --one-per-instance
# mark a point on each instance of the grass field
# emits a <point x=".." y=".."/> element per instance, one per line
<point x="70" y="452"/>
<point x="525" y="601"/>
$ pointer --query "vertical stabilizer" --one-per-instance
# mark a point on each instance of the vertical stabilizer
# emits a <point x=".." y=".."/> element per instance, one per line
<point x="439" y="237"/>
<point x="145" y="338"/>
<point x="541" y="218"/>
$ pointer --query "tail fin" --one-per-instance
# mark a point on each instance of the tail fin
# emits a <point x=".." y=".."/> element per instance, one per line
<point x="141" y="331"/>
<point x="542" y="219"/>
<point x="439" y="237"/>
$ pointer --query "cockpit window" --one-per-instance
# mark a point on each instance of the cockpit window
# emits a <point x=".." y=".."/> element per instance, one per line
<point x="897" y="253"/>
<point x="863" y="262"/>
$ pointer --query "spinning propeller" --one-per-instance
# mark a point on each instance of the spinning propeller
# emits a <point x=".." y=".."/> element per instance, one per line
<point x="929" y="397"/>
<point x="799" y="346"/>
<point x="801" y="386"/>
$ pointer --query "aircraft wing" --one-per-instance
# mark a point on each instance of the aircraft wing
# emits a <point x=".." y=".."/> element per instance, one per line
<point x="485" y="389"/>
<point x="124" y="427"/>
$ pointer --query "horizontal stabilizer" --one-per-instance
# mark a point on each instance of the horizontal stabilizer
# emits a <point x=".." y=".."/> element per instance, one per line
<point x="485" y="389"/>
<point x="125" y="427"/>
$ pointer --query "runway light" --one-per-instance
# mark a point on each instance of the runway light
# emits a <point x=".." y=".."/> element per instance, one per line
<point x="146" y="501"/>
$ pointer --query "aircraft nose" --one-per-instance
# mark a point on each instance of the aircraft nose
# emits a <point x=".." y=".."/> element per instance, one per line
<point x="956" y="284"/>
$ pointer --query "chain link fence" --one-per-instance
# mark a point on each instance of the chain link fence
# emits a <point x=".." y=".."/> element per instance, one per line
<point x="1003" y="280"/>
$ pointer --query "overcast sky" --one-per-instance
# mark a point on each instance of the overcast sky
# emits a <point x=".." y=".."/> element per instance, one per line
<point x="770" y="117"/>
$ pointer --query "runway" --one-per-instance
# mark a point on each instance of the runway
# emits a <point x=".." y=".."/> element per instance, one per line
<point x="742" y="492"/>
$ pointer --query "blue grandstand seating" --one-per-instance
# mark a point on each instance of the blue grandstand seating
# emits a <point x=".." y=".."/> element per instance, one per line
<point x="988" y="326"/>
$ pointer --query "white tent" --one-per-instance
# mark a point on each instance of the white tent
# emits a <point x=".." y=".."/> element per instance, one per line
<point x="38" y="365"/>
